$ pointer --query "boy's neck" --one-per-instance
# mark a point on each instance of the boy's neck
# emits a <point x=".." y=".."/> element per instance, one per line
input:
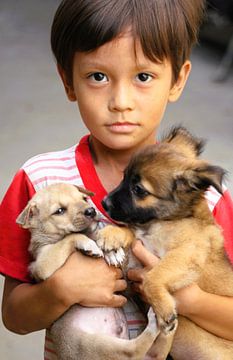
<point x="110" y="163"/>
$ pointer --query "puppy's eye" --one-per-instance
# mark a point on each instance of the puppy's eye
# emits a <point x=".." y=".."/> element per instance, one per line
<point x="139" y="191"/>
<point x="60" y="211"/>
<point x="85" y="198"/>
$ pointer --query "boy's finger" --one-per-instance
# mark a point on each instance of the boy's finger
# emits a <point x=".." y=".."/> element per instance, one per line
<point x="143" y="255"/>
<point x="135" y="274"/>
<point x="118" y="301"/>
<point x="121" y="285"/>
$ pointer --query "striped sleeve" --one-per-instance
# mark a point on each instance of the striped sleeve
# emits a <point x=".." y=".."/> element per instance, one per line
<point x="49" y="168"/>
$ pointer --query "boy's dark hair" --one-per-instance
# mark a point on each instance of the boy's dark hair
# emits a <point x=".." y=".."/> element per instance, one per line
<point x="166" y="29"/>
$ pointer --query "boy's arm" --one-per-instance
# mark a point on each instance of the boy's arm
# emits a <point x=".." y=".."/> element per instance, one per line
<point x="27" y="308"/>
<point x="84" y="280"/>
<point x="211" y="312"/>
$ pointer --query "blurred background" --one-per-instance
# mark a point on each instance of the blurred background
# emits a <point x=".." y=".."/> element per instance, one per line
<point x="35" y="116"/>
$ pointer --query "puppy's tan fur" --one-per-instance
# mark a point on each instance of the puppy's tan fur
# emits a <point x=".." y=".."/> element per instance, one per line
<point x="56" y="219"/>
<point x="164" y="187"/>
<point x="61" y="221"/>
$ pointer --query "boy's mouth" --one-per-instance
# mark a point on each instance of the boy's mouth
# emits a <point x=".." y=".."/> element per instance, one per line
<point x="122" y="127"/>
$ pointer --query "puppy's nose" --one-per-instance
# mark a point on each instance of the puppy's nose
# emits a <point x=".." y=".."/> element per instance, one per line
<point x="90" y="212"/>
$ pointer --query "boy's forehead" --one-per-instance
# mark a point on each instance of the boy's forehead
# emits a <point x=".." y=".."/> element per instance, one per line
<point x="125" y="46"/>
<point x="124" y="41"/>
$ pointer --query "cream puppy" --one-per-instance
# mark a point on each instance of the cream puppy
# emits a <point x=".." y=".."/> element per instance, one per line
<point x="62" y="221"/>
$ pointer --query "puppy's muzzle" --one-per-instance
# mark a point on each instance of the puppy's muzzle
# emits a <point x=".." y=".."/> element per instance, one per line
<point x="90" y="212"/>
<point x="107" y="204"/>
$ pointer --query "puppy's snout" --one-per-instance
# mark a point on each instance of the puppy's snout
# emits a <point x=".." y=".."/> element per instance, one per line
<point x="90" y="212"/>
<point x="106" y="203"/>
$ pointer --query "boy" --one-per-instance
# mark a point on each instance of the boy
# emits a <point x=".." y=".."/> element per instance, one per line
<point x="122" y="61"/>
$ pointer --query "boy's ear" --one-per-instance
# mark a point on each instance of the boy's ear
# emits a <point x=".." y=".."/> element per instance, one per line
<point x="68" y="87"/>
<point x="179" y="85"/>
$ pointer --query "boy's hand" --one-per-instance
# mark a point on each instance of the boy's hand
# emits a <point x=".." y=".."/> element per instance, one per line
<point x="185" y="298"/>
<point x="82" y="279"/>
<point x="148" y="261"/>
<point x="89" y="282"/>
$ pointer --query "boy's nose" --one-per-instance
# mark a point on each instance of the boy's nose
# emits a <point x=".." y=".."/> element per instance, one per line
<point x="121" y="99"/>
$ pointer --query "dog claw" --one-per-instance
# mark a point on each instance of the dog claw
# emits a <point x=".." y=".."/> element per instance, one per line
<point x="115" y="257"/>
<point x="169" y="324"/>
<point x="89" y="248"/>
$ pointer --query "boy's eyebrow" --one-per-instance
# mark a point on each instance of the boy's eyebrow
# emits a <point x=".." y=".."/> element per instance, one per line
<point x="141" y="66"/>
<point x="93" y="63"/>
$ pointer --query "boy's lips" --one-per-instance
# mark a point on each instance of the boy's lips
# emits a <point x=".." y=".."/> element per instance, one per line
<point x="122" y="127"/>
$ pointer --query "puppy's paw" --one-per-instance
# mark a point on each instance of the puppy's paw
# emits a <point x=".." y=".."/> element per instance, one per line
<point x="166" y="313"/>
<point x="163" y="304"/>
<point x="33" y="271"/>
<point x="89" y="247"/>
<point x="115" y="257"/>
<point x="168" y="323"/>
<point x="39" y="272"/>
<point x="113" y="238"/>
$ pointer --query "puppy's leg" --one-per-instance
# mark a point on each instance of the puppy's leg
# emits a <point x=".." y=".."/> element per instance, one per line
<point x="51" y="257"/>
<point x="176" y="270"/>
<point x="114" y="240"/>
<point x="161" y="347"/>
<point x="81" y="345"/>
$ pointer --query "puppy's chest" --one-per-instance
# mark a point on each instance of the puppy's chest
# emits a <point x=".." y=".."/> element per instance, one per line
<point x="155" y="239"/>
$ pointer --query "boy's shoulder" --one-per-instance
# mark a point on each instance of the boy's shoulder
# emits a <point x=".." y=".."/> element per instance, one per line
<point x="51" y="157"/>
<point x="55" y="166"/>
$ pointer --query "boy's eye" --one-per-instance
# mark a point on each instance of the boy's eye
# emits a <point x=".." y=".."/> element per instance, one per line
<point x="98" y="76"/>
<point x="144" y="77"/>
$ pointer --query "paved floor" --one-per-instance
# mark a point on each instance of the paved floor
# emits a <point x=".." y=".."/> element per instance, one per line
<point x="36" y="117"/>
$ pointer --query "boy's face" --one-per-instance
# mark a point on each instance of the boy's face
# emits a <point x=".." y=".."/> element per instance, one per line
<point x="121" y="94"/>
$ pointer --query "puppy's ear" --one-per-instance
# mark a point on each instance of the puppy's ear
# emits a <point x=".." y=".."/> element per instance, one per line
<point x="182" y="138"/>
<point x="84" y="191"/>
<point x="25" y="217"/>
<point x="200" y="178"/>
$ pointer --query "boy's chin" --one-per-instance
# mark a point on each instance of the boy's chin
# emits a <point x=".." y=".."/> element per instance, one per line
<point x="123" y="142"/>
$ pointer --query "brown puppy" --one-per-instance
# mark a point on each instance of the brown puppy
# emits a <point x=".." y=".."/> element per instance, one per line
<point x="162" y="199"/>
<point x="61" y="221"/>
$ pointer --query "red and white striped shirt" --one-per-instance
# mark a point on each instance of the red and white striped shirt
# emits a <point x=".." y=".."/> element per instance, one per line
<point x="74" y="166"/>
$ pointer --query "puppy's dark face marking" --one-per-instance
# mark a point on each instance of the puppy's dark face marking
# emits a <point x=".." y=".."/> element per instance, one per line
<point x="137" y="201"/>
<point x="162" y="182"/>
<point x="121" y="203"/>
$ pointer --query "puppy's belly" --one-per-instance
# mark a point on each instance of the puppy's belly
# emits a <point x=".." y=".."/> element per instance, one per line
<point x="108" y="321"/>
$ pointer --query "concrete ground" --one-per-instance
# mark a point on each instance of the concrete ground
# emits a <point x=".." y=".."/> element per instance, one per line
<point x="36" y="117"/>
